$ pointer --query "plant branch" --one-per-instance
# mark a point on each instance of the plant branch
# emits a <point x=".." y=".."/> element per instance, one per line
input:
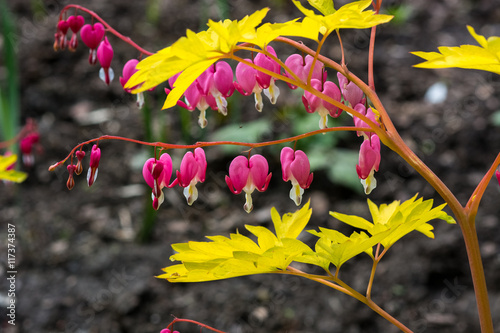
<point x="180" y="320"/>
<point x="475" y="198"/>
<point x="207" y="144"/>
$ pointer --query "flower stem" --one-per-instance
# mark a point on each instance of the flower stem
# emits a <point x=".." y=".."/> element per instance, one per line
<point x="126" y="39"/>
<point x="207" y="144"/>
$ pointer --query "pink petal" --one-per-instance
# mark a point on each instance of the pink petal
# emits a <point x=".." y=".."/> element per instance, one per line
<point x="258" y="171"/>
<point x="223" y="78"/>
<point x="286" y="158"/>
<point x="238" y="174"/>
<point x="300" y="169"/>
<point x="246" y="78"/>
<point x="92" y="35"/>
<point x="105" y="53"/>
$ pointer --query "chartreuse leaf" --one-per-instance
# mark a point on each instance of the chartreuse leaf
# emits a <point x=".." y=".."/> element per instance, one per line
<point x="350" y="16"/>
<point x="195" y="52"/>
<point x="195" y="49"/>
<point x="291" y="225"/>
<point x="324" y="6"/>
<point x="238" y="255"/>
<point x="270" y="31"/>
<point x="10" y="175"/>
<point x="398" y="219"/>
<point x="337" y="248"/>
<point x="484" y="57"/>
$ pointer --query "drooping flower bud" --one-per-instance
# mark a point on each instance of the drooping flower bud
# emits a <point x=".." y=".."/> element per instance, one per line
<point x="71" y="181"/>
<point x="80" y="154"/>
<point x="62" y="30"/>
<point x="95" y="157"/>
<point x="105" y="55"/>
<point x="91" y="36"/>
<point x="248" y="175"/>
<point x="192" y="170"/>
<point x="296" y="168"/>
<point x="75" y="23"/>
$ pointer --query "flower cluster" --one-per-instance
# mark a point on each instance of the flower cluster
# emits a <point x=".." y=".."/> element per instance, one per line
<point x="95" y="157"/>
<point x="200" y="79"/>
<point x="93" y="36"/>
<point x="246" y="174"/>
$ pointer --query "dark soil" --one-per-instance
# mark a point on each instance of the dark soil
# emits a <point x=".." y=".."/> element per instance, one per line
<point x="80" y="266"/>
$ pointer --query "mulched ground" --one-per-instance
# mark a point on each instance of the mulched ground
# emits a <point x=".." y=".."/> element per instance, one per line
<point x="80" y="268"/>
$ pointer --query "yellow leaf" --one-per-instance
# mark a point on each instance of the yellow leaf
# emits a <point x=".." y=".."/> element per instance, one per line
<point x="292" y="224"/>
<point x="324" y="6"/>
<point x="184" y="80"/>
<point x="338" y="248"/>
<point x="194" y="50"/>
<point x="10" y="175"/>
<point x="270" y="31"/>
<point x="238" y="255"/>
<point x="349" y="16"/>
<point x="484" y="57"/>
<point x="397" y="219"/>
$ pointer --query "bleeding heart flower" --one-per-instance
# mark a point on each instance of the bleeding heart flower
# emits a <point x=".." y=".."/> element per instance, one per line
<point x="26" y="146"/>
<point x="351" y="92"/>
<point x="313" y="103"/>
<point x="360" y="123"/>
<point x="192" y="170"/>
<point x="369" y="162"/>
<point x="250" y="80"/>
<point x="130" y="69"/>
<point x="75" y="23"/>
<point x="95" y="157"/>
<point x="301" y="67"/>
<point x="157" y="174"/>
<point x="105" y="55"/>
<point x="210" y="89"/>
<point x="248" y="175"/>
<point x="296" y="168"/>
<point x="91" y="36"/>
